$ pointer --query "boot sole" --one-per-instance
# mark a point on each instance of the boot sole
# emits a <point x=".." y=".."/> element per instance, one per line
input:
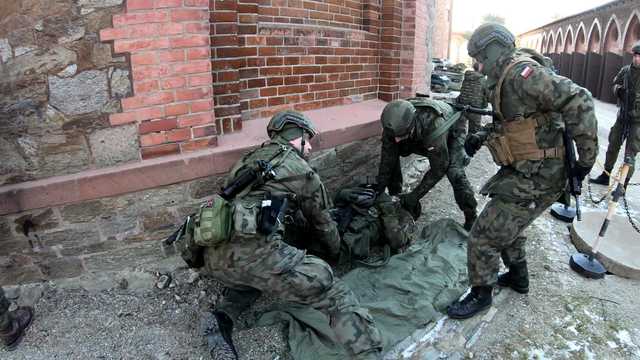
<point x="17" y="342"/>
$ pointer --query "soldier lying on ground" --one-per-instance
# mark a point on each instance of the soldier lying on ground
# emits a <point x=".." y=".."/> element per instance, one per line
<point x="429" y="128"/>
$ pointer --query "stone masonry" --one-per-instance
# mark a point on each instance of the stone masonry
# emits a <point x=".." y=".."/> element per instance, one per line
<point x="124" y="232"/>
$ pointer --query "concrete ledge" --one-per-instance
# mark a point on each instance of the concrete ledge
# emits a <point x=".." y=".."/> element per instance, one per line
<point x="337" y="125"/>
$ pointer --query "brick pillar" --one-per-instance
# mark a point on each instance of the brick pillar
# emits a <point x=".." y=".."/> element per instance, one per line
<point x="413" y="68"/>
<point x="168" y="43"/>
<point x="390" y="49"/>
<point x="227" y="60"/>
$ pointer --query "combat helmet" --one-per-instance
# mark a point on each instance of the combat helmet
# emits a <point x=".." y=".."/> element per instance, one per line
<point x="636" y="48"/>
<point x="285" y="120"/>
<point x="398" y="117"/>
<point x="488" y="33"/>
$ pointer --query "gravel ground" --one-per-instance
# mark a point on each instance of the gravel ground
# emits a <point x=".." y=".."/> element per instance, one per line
<point x="125" y="316"/>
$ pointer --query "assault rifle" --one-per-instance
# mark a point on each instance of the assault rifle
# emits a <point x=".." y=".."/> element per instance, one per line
<point x="264" y="172"/>
<point x="471" y="109"/>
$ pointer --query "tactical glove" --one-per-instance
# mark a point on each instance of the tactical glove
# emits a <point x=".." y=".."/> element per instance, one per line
<point x="411" y="203"/>
<point x="582" y="172"/>
<point x="619" y="91"/>
<point x="472" y="144"/>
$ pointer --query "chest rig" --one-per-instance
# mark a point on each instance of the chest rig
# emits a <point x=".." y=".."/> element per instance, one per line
<point x="515" y="139"/>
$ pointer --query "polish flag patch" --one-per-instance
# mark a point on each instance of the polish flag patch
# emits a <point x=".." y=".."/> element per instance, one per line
<point x="526" y="72"/>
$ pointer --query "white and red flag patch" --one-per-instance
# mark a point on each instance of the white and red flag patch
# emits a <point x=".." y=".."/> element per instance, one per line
<point x="526" y="72"/>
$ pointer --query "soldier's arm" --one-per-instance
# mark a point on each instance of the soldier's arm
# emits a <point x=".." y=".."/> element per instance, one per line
<point x="555" y="93"/>
<point x="389" y="158"/>
<point x="315" y="205"/>
<point x="438" y="165"/>
<point x="618" y="82"/>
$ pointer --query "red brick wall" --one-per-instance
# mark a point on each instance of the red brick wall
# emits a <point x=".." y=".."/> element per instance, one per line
<point x="168" y="43"/>
<point x="265" y="56"/>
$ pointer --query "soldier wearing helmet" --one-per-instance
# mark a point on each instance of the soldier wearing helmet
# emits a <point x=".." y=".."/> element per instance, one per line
<point x="626" y="87"/>
<point x="253" y="262"/>
<point x="533" y="106"/>
<point x="429" y="128"/>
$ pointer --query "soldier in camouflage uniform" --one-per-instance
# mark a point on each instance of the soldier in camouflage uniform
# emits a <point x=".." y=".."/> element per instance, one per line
<point x="533" y="105"/>
<point x="429" y="128"/>
<point x="13" y="324"/>
<point x="252" y="263"/>
<point x="629" y="74"/>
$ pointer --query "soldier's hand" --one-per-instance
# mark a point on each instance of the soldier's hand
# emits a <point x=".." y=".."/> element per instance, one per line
<point x="619" y="91"/>
<point x="411" y="203"/>
<point x="472" y="144"/>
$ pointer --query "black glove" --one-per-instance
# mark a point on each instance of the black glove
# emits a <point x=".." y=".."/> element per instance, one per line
<point x="619" y="91"/>
<point x="411" y="203"/>
<point x="472" y="144"/>
<point x="582" y="172"/>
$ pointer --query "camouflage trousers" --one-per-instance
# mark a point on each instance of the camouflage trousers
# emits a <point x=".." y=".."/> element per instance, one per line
<point x="4" y="311"/>
<point x="287" y="274"/>
<point x="496" y="233"/>
<point x="632" y="146"/>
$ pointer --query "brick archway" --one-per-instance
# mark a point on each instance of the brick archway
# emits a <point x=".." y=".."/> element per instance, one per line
<point x="559" y="45"/>
<point x="568" y="41"/>
<point x="594" y="39"/>
<point x="632" y="32"/>
<point x="612" y="36"/>
<point x="581" y="40"/>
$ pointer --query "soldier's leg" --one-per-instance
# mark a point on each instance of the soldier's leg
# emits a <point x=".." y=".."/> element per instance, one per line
<point x="615" y="141"/>
<point x="311" y="282"/>
<point x="237" y="299"/>
<point x="495" y="231"/>
<point x="632" y="148"/>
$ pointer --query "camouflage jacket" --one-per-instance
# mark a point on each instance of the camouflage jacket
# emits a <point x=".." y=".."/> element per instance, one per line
<point x="533" y="90"/>
<point x="309" y="203"/>
<point x="618" y="83"/>
<point x="428" y="120"/>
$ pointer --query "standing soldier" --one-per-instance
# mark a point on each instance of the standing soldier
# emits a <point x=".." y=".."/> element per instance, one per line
<point x="252" y="261"/>
<point x="13" y="324"/>
<point x="626" y="87"/>
<point x="429" y="128"/>
<point x="533" y="106"/>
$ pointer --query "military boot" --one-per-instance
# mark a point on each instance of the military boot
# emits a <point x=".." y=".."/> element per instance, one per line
<point x="602" y="179"/>
<point x="217" y="327"/>
<point x="477" y="300"/>
<point x="19" y="321"/>
<point x="469" y="218"/>
<point x="516" y="278"/>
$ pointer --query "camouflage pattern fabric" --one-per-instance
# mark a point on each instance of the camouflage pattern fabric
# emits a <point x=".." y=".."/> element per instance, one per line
<point x="446" y="157"/>
<point x="496" y="233"/>
<point x="522" y="191"/>
<point x="4" y="311"/>
<point x="251" y="263"/>
<point x="632" y="146"/>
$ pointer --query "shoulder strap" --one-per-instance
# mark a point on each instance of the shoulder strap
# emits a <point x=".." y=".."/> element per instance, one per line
<point x="443" y="128"/>
<point x="498" y="92"/>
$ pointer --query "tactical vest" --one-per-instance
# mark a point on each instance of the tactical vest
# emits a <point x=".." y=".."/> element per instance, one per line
<point x="515" y="140"/>
<point x="442" y="109"/>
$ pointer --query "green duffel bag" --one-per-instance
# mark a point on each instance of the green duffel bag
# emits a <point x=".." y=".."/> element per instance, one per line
<point x="213" y="223"/>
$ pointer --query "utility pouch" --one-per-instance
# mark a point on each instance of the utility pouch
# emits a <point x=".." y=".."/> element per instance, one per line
<point x="190" y="252"/>
<point x="500" y="151"/>
<point x="213" y="223"/>
<point x="272" y="211"/>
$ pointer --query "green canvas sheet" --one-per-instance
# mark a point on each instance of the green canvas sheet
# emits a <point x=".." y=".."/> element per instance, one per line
<point x="407" y="294"/>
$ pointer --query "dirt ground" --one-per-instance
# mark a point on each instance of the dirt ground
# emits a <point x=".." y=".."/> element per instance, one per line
<point x="125" y="316"/>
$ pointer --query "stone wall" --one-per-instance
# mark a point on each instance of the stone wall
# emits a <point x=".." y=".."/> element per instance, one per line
<point x="58" y="86"/>
<point x="113" y="234"/>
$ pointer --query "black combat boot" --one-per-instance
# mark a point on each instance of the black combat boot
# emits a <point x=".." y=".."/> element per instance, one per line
<point x="516" y="278"/>
<point x="20" y="320"/>
<point x="217" y="327"/>
<point x="477" y="300"/>
<point x="602" y="179"/>
<point x="469" y="218"/>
